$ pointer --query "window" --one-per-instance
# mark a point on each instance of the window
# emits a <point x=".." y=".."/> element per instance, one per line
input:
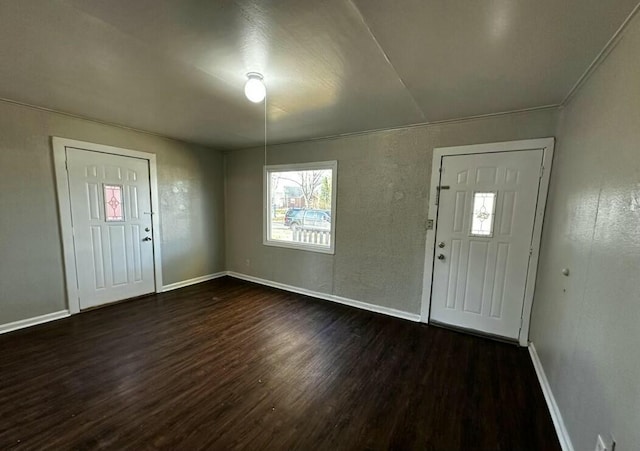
<point x="113" y="203"/>
<point x="483" y="213"/>
<point x="299" y="210"/>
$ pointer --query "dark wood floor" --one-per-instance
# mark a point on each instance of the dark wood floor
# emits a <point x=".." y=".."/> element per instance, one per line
<point x="232" y="365"/>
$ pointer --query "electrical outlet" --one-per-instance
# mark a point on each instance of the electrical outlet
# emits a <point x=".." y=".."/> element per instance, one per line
<point x="605" y="445"/>
<point x="600" y="444"/>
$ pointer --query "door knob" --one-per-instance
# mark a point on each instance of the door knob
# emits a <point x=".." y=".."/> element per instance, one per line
<point x="146" y="238"/>
<point x="441" y="244"/>
<point x="441" y="257"/>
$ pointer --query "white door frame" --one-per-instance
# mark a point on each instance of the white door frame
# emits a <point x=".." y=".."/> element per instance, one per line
<point x="64" y="210"/>
<point x="547" y="145"/>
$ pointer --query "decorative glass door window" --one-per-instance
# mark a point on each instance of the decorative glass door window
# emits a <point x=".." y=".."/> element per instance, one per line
<point x="483" y="214"/>
<point x="113" y="203"/>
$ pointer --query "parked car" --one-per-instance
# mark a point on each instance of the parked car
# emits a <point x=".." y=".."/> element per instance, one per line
<point x="311" y="220"/>
<point x="290" y="213"/>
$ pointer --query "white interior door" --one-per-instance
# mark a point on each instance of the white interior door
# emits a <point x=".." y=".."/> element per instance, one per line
<point x="111" y="214"/>
<point x="485" y="223"/>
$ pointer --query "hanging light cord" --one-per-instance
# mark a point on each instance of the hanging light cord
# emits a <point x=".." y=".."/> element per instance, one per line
<point x="265" y="130"/>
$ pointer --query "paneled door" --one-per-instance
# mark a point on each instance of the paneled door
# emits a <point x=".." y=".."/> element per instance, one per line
<point x="486" y="212"/>
<point x="111" y="214"/>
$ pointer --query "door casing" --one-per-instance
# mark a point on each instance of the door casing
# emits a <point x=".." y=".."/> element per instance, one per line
<point x="547" y="145"/>
<point x="64" y="211"/>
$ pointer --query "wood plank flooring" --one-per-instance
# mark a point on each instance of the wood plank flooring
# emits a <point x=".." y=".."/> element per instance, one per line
<point x="232" y="365"/>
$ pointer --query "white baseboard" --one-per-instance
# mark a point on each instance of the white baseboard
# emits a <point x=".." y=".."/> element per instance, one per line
<point x="556" y="416"/>
<point x="186" y="283"/>
<point x="329" y="297"/>
<point x="8" y="327"/>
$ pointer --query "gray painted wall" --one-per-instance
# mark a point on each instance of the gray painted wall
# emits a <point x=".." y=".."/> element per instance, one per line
<point x="586" y="326"/>
<point x="383" y="180"/>
<point x="191" y="182"/>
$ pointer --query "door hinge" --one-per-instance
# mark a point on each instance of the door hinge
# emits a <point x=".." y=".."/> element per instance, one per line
<point x="541" y="171"/>
<point x="66" y="165"/>
<point x="530" y="251"/>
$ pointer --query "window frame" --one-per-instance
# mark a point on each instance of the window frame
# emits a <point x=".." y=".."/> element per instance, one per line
<point x="266" y="220"/>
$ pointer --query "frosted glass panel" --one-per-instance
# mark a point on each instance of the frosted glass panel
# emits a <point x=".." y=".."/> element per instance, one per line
<point x="483" y="213"/>
<point x="113" y="203"/>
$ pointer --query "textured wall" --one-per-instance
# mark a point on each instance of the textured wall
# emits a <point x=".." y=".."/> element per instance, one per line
<point x="383" y="180"/>
<point x="586" y="326"/>
<point x="31" y="275"/>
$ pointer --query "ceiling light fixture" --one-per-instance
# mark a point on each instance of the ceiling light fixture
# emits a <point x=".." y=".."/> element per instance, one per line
<point x="254" y="88"/>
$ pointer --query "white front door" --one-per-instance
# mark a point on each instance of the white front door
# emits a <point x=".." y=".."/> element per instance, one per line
<point x="111" y="214"/>
<point x="486" y="213"/>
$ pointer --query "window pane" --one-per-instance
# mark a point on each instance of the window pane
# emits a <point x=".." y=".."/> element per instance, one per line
<point x="483" y="213"/>
<point x="298" y="202"/>
<point x="113" y="203"/>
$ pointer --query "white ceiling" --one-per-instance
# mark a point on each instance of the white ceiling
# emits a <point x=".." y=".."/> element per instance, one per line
<point x="177" y="67"/>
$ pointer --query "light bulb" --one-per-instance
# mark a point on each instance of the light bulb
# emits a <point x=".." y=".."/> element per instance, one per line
<point x="254" y="89"/>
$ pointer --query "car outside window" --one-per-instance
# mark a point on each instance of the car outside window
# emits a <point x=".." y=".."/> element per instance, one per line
<point x="299" y="206"/>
